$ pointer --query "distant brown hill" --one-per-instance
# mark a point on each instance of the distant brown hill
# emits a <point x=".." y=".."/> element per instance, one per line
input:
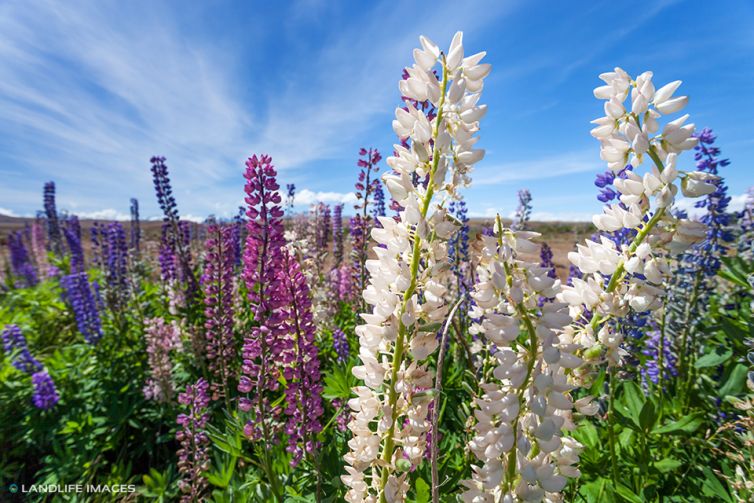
<point x="561" y="236"/>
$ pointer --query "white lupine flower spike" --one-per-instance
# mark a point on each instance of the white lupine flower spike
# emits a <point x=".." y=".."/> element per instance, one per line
<point x="525" y="403"/>
<point x="389" y="419"/>
<point x="635" y="272"/>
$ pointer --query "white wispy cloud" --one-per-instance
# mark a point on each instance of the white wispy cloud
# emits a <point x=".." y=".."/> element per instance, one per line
<point x="686" y="204"/>
<point x="7" y="212"/>
<point x="90" y="91"/>
<point x="354" y="79"/>
<point x="306" y="197"/>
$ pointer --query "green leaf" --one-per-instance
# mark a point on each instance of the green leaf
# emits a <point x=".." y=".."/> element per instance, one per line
<point x="628" y="494"/>
<point x="667" y="465"/>
<point x="634" y="399"/>
<point x="735" y="271"/>
<point x="687" y="424"/>
<point x="715" y="358"/>
<point x="586" y="433"/>
<point x="713" y="487"/>
<point x="735" y="383"/>
<point x="734" y="329"/>
<point x="647" y="416"/>
<point x="594" y="491"/>
<point x="422" y="491"/>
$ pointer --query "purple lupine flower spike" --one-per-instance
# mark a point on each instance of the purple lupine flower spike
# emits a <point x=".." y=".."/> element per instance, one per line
<point x="135" y="227"/>
<point x="545" y="260"/>
<point x="361" y="224"/>
<point x="177" y="233"/>
<point x="264" y="346"/>
<point x="53" y="224"/>
<point x="15" y="342"/>
<point x="304" y="390"/>
<point x="218" y="285"/>
<point x="337" y="233"/>
<point x="523" y="212"/>
<point x="20" y="262"/>
<point x="116" y="265"/>
<point x="45" y="394"/>
<point x="76" y="250"/>
<point x="78" y="293"/>
<point x="193" y="456"/>
<point x="340" y="345"/>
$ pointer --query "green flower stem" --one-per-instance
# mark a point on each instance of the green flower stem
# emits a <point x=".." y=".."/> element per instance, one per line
<point x="389" y="445"/>
<point x="532" y="354"/>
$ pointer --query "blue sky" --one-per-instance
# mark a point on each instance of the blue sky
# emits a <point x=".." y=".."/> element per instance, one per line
<point x="90" y="90"/>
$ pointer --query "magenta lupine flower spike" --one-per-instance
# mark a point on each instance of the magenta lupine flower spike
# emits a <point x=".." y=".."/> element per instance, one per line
<point x="264" y="346"/>
<point x="161" y="338"/>
<point x="217" y="283"/>
<point x="193" y="456"/>
<point x="304" y="391"/>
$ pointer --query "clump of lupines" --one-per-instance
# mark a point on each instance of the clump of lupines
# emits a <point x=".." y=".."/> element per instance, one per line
<point x="393" y="344"/>
<point x="78" y="293"/>
<point x="162" y="338"/>
<point x="523" y="211"/>
<point x="525" y="402"/>
<point x="632" y="276"/>
<point x="263" y="255"/>
<point x="135" y="227"/>
<point x="303" y="391"/>
<point x="20" y="261"/>
<point x="193" y="456"/>
<point x="54" y="237"/>
<point x="218" y="285"/>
